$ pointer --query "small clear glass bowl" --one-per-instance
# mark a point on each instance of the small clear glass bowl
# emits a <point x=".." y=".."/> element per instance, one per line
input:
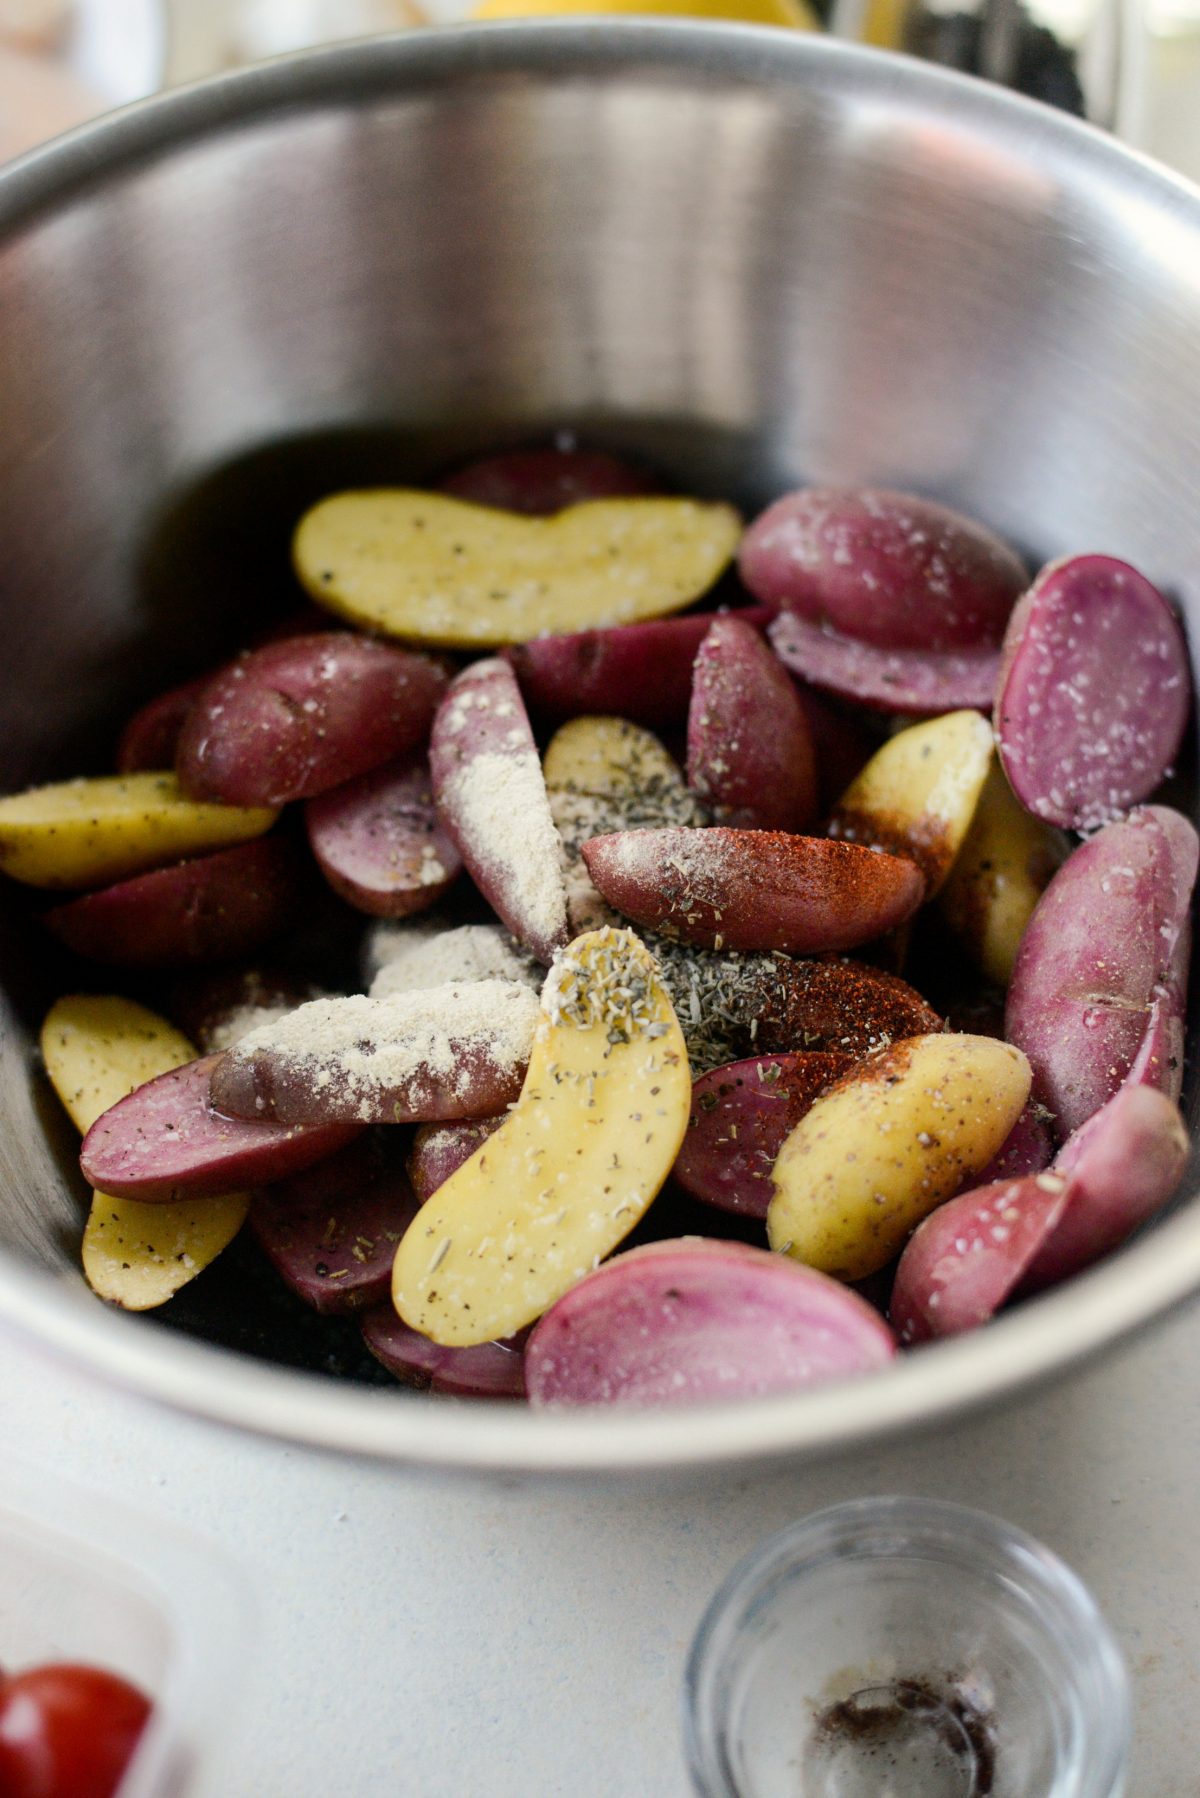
<point x="904" y="1648"/>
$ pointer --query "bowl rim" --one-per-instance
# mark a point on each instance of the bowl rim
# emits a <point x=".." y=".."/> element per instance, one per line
<point x="1046" y="1336"/>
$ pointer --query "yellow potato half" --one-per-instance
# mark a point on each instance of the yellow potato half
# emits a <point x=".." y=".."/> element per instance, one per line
<point x="437" y="570"/>
<point x="85" y="833"/>
<point x="1002" y="870"/>
<point x="96" y="1050"/>
<point x="568" y="1174"/>
<point x="917" y="795"/>
<point x="901" y="1133"/>
<point x="609" y="757"/>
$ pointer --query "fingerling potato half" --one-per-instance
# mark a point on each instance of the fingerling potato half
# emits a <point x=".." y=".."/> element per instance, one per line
<point x="592" y="1138"/>
<point x="917" y="795"/>
<point x="97" y="1050"/>
<point x="86" y="833"/>
<point x="437" y="570"/>
<point x="1002" y="869"/>
<point x="881" y="1149"/>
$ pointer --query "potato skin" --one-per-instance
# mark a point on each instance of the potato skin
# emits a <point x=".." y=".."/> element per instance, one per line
<point x="166" y="1142"/>
<point x="1094" y="692"/>
<point x="1121" y="1168"/>
<point x="1107" y="943"/>
<point x="697" y="1321"/>
<point x="750" y="754"/>
<point x="753" y="889"/>
<point x="638" y="671"/>
<point x="491" y="799"/>
<point x="379" y="844"/>
<point x="213" y="909"/>
<point x="486" y="1370"/>
<point x="885" y="568"/>
<point x="439" y="1150"/>
<point x="331" y="1231"/>
<point x="151" y="737"/>
<point x="305" y="714"/>
<point x="971" y="1254"/>
<point x="918" y="682"/>
<point x="902" y="1132"/>
<point x="539" y="482"/>
<point x="741" y="1115"/>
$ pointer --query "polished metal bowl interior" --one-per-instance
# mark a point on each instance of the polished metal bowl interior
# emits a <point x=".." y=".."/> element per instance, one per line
<point x="755" y="258"/>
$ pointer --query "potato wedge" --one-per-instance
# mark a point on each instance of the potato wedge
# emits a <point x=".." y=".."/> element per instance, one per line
<point x="642" y="671"/>
<point x="85" y="833"/>
<point x="749" y="749"/>
<point x="1094" y="692"/>
<point x="488" y="1370"/>
<point x="592" y="1138"/>
<point x="889" y="569"/>
<point x="916" y="681"/>
<point x="903" y="1131"/>
<point x="753" y="889"/>
<point x="439" y="1150"/>
<point x="96" y="1050"/>
<point x="971" y="1254"/>
<point x="1001" y="872"/>
<point x="604" y="774"/>
<point x="693" y="1321"/>
<point x="443" y="571"/>
<point x="917" y="795"/>
<point x="491" y="799"/>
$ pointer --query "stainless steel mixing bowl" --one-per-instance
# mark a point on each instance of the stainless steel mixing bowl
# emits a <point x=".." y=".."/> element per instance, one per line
<point x="754" y="257"/>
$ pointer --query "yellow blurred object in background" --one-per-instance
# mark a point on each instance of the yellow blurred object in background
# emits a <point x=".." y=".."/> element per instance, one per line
<point x="793" y="13"/>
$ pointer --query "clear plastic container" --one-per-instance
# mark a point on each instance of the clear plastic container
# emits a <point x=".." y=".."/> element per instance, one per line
<point x="85" y="1579"/>
<point x="902" y="1648"/>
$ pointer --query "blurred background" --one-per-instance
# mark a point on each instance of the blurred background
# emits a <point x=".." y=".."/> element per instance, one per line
<point x="1131" y="66"/>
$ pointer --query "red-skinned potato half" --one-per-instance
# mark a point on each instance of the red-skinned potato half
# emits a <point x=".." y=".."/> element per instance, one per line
<point x="971" y="1254"/>
<point x="491" y="798"/>
<point x="331" y="1232"/>
<point x="1094" y="692"/>
<point x="453" y="1051"/>
<point x="379" y="843"/>
<point x="741" y="1115"/>
<point x="1121" y="1167"/>
<point x="487" y="1370"/>
<point x="300" y="716"/>
<point x="637" y="671"/>
<point x="214" y="908"/>
<point x="541" y="481"/>
<point x="753" y="889"/>
<point x="694" y="1321"/>
<point x="165" y="1141"/>
<point x="439" y="1150"/>
<point x="151" y="737"/>
<point x="750" y="754"/>
<point x="1103" y="958"/>
<point x="918" y="682"/>
<point x="885" y="568"/>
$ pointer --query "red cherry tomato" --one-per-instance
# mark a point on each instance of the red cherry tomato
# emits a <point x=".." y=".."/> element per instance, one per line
<point x="67" y="1732"/>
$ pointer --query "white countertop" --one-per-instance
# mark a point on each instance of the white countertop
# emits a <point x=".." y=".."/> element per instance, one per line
<point x="447" y="1640"/>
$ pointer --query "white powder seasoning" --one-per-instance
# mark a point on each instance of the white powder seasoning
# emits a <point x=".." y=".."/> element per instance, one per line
<point x="424" y="958"/>
<point x="368" y="1047"/>
<point x="501" y="817"/>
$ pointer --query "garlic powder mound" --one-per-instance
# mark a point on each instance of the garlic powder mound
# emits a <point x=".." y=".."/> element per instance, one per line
<point x="417" y="959"/>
